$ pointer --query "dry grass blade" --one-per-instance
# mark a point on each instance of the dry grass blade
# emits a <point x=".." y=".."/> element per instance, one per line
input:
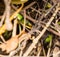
<point x="14" y="28"/>
<point x="24" y="20"/>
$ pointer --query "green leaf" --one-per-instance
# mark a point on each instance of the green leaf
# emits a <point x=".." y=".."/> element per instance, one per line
<point x="19" y="16"/>
<point x="48" y="39"/>
<point x="48" y="5"/>
<point x="21" y="19"/>
<point x="59" y="22"/>
<point x="18" y="1"/>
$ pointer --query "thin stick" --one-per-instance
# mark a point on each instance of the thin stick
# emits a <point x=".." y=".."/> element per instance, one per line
<point x="35" y="10"/>
<point x="24" y="20"/>
<point x="29" y="6"/>
<point x="3" y="38"/>
<point x="21" y="52"/>
<point x="51" y="30"/>
<point x="40" y="35"/>
<point x="14" y="28"/>
<point x="44" y="52"/>
<point x="29" y="18"/>
<point x="39" y="50"/>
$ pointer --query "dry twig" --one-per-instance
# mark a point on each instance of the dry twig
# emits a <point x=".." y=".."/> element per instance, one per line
<point x="14" y="28"/>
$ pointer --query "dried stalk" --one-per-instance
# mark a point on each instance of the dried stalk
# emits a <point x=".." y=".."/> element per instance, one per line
<point x="56" y="49"/>
<point x="14" y="28"/>
<point x="2" y="38"/>
<point x="35" y="10"/>
<point x="56" y="26"/>
<point x="40" y="35"/>
<point x="44" y="52"/>
<point x="39" y="49"/>
<point x="29" y="6"/>
<point x="29" y="18"/>
<point x="24" y="20"/>
<point x="39" y="52"/>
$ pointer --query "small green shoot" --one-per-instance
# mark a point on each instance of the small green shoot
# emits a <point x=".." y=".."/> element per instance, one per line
<point x="19" y="16"/>
<point x="59" y="22"/>
<point x="21" y="19"/>
<point x="48" y="39"/>
<point x="48" y="5"/>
